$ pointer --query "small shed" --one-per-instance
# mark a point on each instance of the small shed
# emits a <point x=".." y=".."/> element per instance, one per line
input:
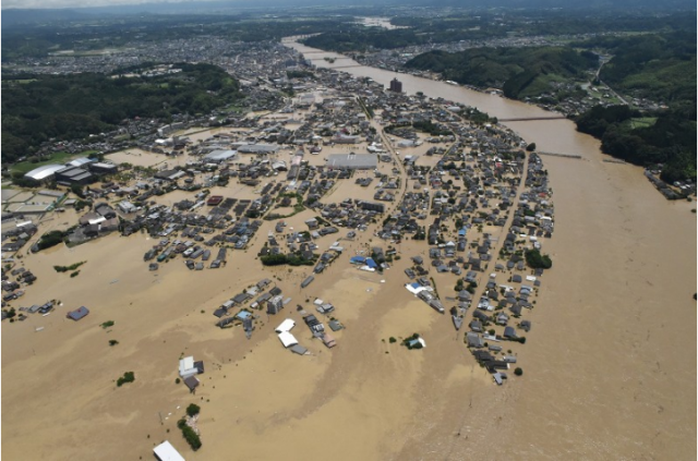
<point x="298" y="349"/>
<point x="78" y="313"/>
<point x="192" y="382"/>
<point x="329" y="340"/>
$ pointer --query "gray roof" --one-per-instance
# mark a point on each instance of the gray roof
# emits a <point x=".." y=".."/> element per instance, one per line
<point x="361" y="161"/>
<point x="43" y="172"/>
<point x="298" y="349"/>
<point x="191" y="382"/>
<point x="220" y="155"/>
<point x="80" y="161"/>
<point x="257" y="149"/>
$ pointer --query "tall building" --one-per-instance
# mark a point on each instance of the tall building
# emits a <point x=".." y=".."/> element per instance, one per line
<point x="396" y="85"/>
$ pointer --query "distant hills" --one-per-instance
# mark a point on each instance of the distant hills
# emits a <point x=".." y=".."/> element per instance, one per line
<point x="15" y="16"/>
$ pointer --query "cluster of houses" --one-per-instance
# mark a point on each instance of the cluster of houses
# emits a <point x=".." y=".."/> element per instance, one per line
<point x="103" y="220"/>
<point x="13" y="289"/>
<point x="257" y="297"/>
<point x="349" y="213"/>
<point x="502" y="305"/>
<point x="43" y="309"/>
<point x="317" y="328"/>
<point x="16" y="234"/>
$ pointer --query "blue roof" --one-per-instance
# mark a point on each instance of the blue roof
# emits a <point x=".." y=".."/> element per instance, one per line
<point x="243" y="315"/>
<point x="79" y="313"/>
<point x="371" y="263"/>
<point x="462" y="231"/>
<point x="415" y="285"/>
<point x="357" y="260"/>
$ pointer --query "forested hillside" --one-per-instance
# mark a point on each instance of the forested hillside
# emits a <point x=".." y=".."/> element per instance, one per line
<point x="35" y="109"/>
<point x="515" y="70"/>
<point x="669" y="140"/>
<point x="660" y="67"/>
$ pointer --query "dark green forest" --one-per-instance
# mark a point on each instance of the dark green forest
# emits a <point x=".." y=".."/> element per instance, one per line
<point x="66" y="107"/>
<point x="513" y="69"/>
<point x="671" y="140"/>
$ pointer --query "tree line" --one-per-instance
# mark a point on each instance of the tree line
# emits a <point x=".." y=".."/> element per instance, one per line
<point x="68" y="107"/>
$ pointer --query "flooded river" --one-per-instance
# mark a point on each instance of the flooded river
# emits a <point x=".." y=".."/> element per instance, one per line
<point x="610" y="365"/>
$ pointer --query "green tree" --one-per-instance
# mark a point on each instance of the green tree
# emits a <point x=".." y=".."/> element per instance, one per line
<point x="193" y="410"/>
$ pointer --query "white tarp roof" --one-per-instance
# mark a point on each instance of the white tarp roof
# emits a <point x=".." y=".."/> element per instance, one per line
<point x="166" y="452"/>
<point x="285" y="326"/>
<point x="287" y="339"/>
<point x="415" y="288"/>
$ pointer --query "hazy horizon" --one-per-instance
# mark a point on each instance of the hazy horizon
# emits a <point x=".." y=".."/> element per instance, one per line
<point x="129" y="5"/>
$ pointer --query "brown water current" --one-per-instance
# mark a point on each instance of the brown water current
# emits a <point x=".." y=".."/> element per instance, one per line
<point x="611" y="363"/>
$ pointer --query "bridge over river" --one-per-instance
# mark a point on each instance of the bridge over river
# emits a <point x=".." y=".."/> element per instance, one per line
<point x="526" y="119"/>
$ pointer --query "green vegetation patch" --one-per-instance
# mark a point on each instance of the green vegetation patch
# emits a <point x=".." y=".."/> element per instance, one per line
<point x="72" y="267"/>
<point x="641" y="122"/>
<point x="193" y="410"/>
<point x="536" y="260"/>
<point x="50" y="239"/>
<point x="291" y="259"/>
<point x="189" y="434"/>
<point x="34" y="162"/>
<point x="128" y="377"/>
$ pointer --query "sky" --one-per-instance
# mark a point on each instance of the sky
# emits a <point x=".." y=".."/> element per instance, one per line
<point x="48" y="4"/>
<point x="43" y="4"/>
<point x="52" y="4"/>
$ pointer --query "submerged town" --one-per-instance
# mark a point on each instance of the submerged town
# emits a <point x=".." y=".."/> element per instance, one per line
<point x="254" y="214"/>
<point x="419" y="192"/>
